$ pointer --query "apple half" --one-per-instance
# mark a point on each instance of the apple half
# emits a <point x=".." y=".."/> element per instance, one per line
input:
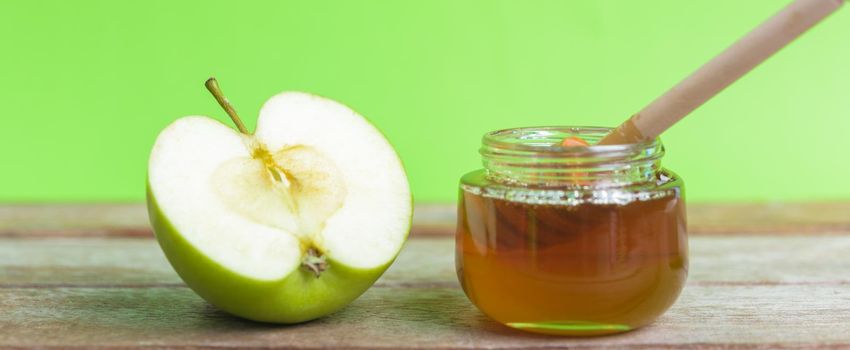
<point x="288" y="224"/>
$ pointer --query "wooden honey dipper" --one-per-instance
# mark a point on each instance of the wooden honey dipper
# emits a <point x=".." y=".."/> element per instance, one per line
<point x="720" y="72"/>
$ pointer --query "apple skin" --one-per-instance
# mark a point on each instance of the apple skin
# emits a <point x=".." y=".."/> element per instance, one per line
<point x="298" y="297"/>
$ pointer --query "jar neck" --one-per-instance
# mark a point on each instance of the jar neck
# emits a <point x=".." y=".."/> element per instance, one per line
<point x="534" y="157"/>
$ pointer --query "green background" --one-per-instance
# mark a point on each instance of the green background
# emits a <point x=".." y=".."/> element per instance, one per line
<point x="86" y="86"/>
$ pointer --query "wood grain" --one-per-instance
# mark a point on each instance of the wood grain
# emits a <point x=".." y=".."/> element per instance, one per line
<point x="130" y="220"/>
<point x="715" y="260"/>
<point x="749" y="317"/>
<point x="769" y="218"/>
<point x="761" y="277"/>
<point x="744" y="292"/>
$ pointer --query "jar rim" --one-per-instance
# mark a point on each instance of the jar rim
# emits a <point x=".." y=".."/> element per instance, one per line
<point x="534" y="155"/>
<point x="506" y="139"/>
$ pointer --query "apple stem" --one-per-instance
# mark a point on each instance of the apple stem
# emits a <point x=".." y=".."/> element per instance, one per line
<point x="315" y="262"/>
<point x="215" y="90"/>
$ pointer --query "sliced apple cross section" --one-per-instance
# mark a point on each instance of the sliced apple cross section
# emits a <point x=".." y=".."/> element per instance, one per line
<point x="294" y="189"/>
<point x="284" y="225"/>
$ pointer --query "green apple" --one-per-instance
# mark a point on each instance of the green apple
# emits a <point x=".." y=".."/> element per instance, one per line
<point x="284" y="225"/>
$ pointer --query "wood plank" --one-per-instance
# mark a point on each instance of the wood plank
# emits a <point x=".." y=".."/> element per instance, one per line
<point x="801" y="301"/>
<point x="771" y="218"/>
<point x="130" y="220"/>
<point x="95" y="219"/>
<point x="754" y="283"/>
<point x="715" y="260"/>
<point x="747" y="292"/>
<point x="738" y="317"/>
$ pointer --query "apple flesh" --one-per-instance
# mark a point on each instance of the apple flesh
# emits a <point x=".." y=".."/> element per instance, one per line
<point x="286" y="225"/>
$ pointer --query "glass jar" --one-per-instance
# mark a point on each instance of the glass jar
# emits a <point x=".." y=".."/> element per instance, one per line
<point x="581" y="240"/>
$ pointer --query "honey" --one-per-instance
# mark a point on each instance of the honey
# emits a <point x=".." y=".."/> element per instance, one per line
<point x="592" y="247"/>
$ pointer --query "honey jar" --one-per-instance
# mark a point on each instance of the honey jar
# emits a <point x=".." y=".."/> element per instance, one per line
<point x="571" y="240"/>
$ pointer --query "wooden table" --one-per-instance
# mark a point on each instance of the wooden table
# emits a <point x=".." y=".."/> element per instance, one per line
<point x="762" y="276"/>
